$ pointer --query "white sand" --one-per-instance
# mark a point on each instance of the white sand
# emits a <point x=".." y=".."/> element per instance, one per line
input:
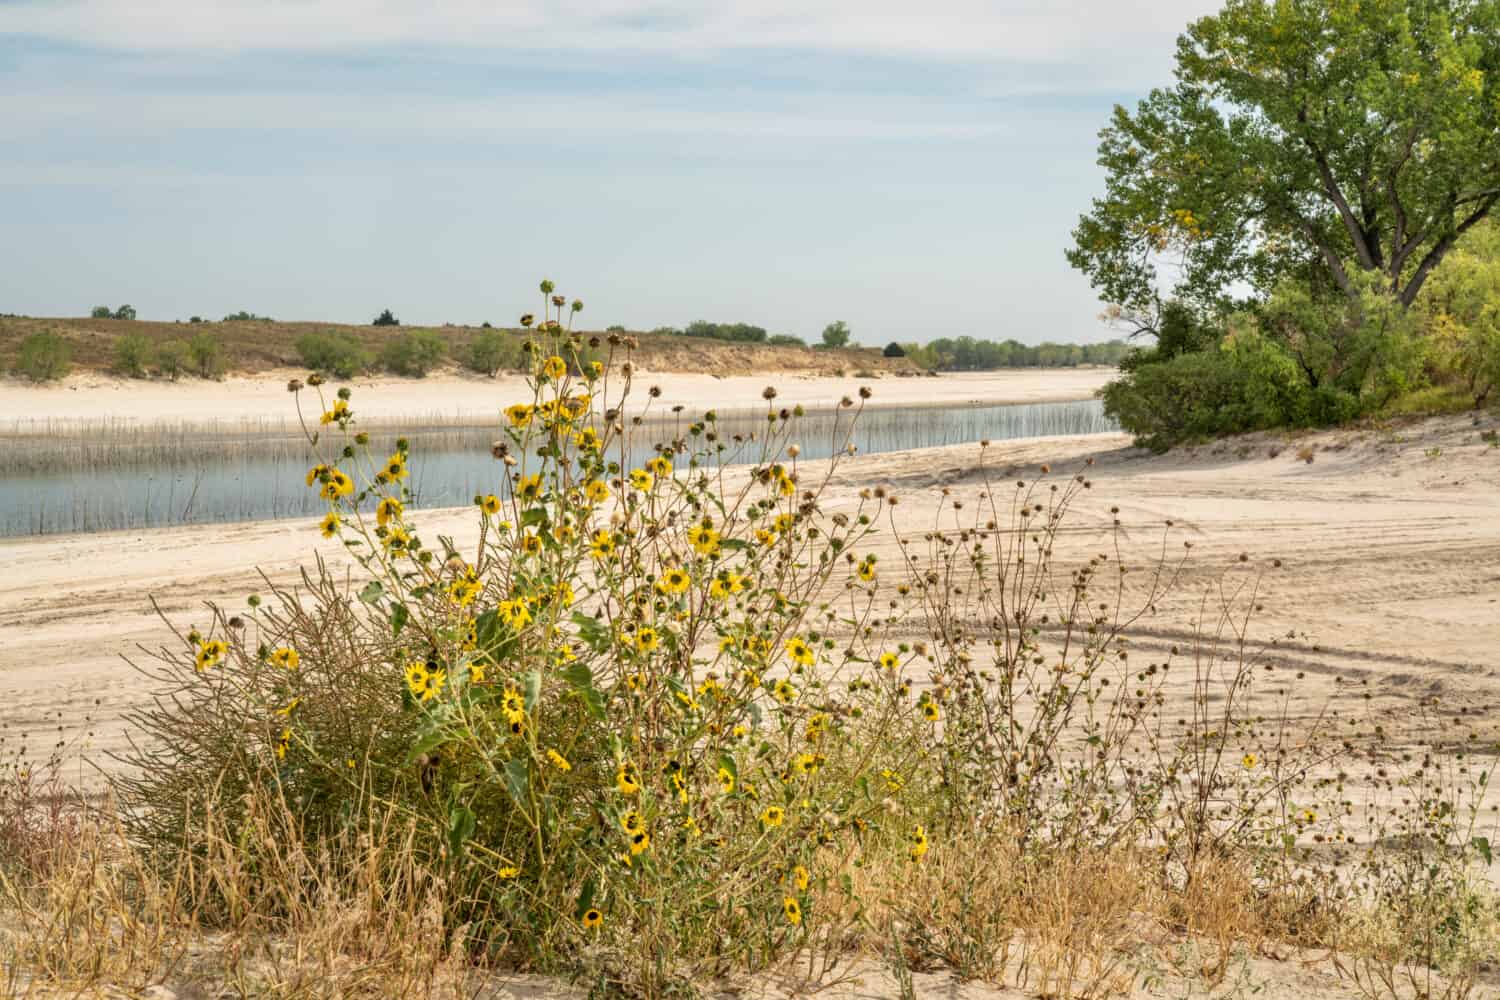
<point x="95" y="397"/>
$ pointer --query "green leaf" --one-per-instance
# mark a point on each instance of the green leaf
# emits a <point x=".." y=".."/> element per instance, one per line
<point x="372" y="592"/>
<point x="592" y="631"/>
<point x="532" y="688"/>
<point x="517" y="779"/>
<point x="586" y="898"/>
<point x="432" y="736"/>
<point x="399" y="616"/>
<point x="460" y="828"/>
<point x="1482" y="845"/>
<point x="533" y="516"/>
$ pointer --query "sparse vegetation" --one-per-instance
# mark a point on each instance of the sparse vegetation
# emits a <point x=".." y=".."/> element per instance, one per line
<point x="206" y="353"/>
<point x="836" y="334"/>
<point x="172" y="358"/>
<point x="334" y="352"/>
<point x="132" y="355"/>
<point x="386" y="318"/>
<point x="492" y="352"/>
<point x="413" y="352"/>
<point x="44" y="357"/>
<point x="243" y="316"/>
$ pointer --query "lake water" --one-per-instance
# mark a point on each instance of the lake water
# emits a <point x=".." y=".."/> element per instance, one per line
<point x="133" y="479"/>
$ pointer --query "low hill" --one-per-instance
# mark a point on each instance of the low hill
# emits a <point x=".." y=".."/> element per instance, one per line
<point x="253" y="346"/>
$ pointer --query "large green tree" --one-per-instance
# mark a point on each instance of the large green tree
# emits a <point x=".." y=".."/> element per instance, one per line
<point x="1313" y="139"/>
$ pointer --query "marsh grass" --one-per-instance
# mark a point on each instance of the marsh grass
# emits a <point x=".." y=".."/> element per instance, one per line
<point x="111" y="474"/>
<point x="667" y="717"/>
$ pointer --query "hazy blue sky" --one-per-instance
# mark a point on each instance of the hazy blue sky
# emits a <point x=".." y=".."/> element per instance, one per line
<point x="913" y="168"/>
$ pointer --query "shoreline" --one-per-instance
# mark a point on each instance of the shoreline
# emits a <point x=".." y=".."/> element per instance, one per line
<point x="72" y="405"/>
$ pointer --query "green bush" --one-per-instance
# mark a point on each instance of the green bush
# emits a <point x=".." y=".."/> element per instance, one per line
<point x="386" y="318"/>
<point x="102" y="312"/>
<point x="492" y="351"/>
<point x="333" y="352"/>
<point x="786" y="340"/>
<point x="894" y="350"/>
<point x="172" y="358"/>
<point x="1247" y="384"/>
<point x="207" y="355"/>
<point x="125" y="312"/>
<point x="242" y="315"/>
<point x="836" y="334"/>
<point x="413" y="352"/>
<point x="132" y="355"/>
<point x="44" y="356"/>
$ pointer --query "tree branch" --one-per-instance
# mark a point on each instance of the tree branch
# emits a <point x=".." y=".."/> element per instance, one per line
<point x="1441" y="247"/>
<point x="1335" y="195"/>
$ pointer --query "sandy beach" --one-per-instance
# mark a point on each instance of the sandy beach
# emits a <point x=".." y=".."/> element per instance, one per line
<point x="1389" y="542"/>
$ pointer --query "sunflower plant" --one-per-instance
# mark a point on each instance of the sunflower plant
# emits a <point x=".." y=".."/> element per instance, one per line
<point x="624" y="714"/>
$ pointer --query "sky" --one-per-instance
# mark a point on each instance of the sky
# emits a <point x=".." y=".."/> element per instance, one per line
<point x="912" y="168"/>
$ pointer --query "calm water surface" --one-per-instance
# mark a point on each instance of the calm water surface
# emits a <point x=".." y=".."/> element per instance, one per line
<point x="172" y="479"/>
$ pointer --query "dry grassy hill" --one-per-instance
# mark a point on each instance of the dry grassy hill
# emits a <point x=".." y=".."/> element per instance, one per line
<point x="252" y="346"/>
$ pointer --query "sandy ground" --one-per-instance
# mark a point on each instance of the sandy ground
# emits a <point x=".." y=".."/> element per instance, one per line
<point x="90" y="397"/>
<point x="1389" y="541"/>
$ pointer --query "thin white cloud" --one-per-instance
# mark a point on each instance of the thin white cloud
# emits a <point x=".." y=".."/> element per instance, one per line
<point x="1121" y="31"/>
<point x="807" y="118"/>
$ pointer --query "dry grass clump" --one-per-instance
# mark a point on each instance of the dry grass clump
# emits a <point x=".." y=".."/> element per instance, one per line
<point x="669" y="718"/>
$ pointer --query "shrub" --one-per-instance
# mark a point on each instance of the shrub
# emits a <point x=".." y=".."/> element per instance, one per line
<point x="44" y="356"/>
<point x="125" y="312"/>
<point x="836" y="334"/>
<point x="102" y="312"/>
<point x="386" y="318"/>
<point x="207" y="355"/>
<point x="492" y="351"/>
<point x="195" y="319"/>
<point x="1248" y="384"/>
<point x="894" y="350"/>
<point x="786" y="340"/>
<point x="615" y="328"/>
<point x="243" y="316"/>
<point x="413" y="352"/>
<point x="333" y="352"/>
<point x="172" y="358"/>
<point x="657" y="722"/>
<point x="132" y="354"/>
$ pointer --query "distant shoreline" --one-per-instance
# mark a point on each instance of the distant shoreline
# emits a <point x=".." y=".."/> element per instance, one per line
<point x="83" y="401"/>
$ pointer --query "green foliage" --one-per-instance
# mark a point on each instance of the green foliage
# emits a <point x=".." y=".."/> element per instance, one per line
<point x="413" y="352"/>
<point x="1366" y="346"/>
<point x="785" y="340"/>
<point x="894" y="350"/>
<point x="386" y="318"/>
<point x="242" y="315"/>
<point x="102" y="312"/>
<point x="972" y="354"/>
<point x="1308" y="141"/>
<point x="333" y="352"/>
<point x="743" y="333"/>
<point x="615" y="328"/>
<point x="836" y="334"/>
<point x="206" y="353"/>
<point x="124" y="312"/>
<point x="1247" y="384"/>
<point x="172" y="358"/>
<point x="1461" y="305"/>
<point x="492" y="351"/>
<point x="132" y="353"/>
<point x="44" y="356"/>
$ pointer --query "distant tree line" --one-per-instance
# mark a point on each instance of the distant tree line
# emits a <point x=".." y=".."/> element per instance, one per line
<point x="970" y="354"/>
